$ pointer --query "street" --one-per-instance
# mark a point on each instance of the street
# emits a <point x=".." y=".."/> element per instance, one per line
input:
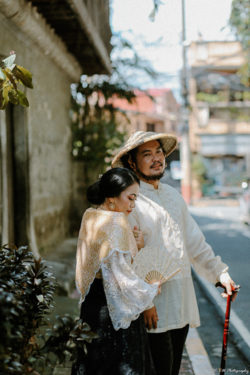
<point x="231" y="240"/>
<point x="211" y="334"/>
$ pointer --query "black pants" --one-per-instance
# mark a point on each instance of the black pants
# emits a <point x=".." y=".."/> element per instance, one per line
<point x="122" y="352"/>
<point x="167" y="349"/>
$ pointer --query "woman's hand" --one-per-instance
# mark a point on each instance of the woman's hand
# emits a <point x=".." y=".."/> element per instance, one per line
<point x="150" y="318"/>
<point x="138" y="237"/>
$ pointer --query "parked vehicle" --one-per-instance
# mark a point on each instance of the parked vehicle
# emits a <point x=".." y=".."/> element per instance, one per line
<point x="176" y="170"/>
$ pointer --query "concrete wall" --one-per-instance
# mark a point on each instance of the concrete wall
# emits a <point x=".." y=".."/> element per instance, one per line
<point x="49" y="138"/>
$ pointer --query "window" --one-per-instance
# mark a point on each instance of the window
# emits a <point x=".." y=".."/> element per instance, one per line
<point x="150" y="127"/>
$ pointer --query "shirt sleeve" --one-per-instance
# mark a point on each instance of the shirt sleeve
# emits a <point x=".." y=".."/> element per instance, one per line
<point x="127" y="295"/>
<point x="200" y="253"/>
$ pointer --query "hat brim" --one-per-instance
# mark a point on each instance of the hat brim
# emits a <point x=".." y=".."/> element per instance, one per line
<point x="168" y="141"/>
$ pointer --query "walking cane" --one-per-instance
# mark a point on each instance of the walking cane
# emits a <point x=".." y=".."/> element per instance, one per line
<point x="235" y="289"/>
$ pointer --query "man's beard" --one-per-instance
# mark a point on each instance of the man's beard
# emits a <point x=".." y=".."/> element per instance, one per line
<point x="149" y="178"/>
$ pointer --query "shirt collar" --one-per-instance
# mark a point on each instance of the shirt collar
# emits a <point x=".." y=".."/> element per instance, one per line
<point x="149" y="187"/>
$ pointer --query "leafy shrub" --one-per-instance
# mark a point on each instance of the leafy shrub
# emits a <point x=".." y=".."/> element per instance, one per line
<point x="26" y="298"/>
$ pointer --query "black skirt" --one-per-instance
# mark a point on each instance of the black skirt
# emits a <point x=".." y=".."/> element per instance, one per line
<point x="122" y="352"/>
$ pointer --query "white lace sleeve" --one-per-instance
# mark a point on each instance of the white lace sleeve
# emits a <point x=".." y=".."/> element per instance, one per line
<point x="127" y="295"/>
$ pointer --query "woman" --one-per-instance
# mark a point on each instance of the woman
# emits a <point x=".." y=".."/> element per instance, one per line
<point x="112" y="294"/>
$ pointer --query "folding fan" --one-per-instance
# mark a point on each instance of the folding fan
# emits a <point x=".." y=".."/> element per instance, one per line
<point x="154" y="265"/>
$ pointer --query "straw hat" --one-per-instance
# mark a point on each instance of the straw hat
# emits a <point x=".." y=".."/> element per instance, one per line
<point x="168" y="142"/>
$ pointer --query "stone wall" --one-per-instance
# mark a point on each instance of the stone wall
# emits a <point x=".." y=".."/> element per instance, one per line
<point x="49" y="138"/>
<point x="79" y="202"/>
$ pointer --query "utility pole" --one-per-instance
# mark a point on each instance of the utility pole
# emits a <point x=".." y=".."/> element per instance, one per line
<point x="184" y="145"/>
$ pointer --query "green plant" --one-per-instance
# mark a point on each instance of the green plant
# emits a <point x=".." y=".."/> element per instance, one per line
<point x="240" y="25"/>
<point x="26" y="298"/>
<point x="11" y="77"/>
<point x="199" y="169"/>
<point x="95" y="125"/>
<point x="208" y="98"/>
<point x="240" y="21"/>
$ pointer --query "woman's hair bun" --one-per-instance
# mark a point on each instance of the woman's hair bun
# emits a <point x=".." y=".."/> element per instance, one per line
<point x="95" y="194"/>
<point x="111" y="184"/>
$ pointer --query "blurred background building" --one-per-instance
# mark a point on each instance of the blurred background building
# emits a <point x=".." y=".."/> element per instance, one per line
<point x="152" y="110"/>
<point x="219" y="123"/>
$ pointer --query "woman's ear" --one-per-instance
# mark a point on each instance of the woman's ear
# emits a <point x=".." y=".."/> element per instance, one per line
<point x="111" y="204"/>
<point x="110" y="200"/>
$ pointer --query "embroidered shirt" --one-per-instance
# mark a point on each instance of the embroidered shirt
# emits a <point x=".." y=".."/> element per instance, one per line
<point x="166" y="223"/>
<point x="106" y="243"/>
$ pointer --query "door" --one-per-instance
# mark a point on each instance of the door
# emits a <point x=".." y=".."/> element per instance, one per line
<point x="15" y="176"/>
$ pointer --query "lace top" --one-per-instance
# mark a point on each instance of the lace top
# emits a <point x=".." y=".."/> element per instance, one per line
<point x="106" y="243"/>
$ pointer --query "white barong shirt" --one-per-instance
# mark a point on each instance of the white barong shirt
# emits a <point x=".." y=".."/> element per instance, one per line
<point x="163" y="217"/>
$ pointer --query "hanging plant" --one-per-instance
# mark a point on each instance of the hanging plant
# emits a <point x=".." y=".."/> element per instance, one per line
<point x="12" y="76"/>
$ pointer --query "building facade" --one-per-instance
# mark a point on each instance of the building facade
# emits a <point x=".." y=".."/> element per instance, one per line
<point x="153" y="110"/>
<point x="219" y="123"/>
<point x="57" y="41"/>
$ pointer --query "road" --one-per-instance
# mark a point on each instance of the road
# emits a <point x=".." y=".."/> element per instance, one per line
<point x="211" y="334"/>
<point x="231" y="240"/>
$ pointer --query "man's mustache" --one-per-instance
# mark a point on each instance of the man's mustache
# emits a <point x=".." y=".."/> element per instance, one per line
<point x="158" y="163"/>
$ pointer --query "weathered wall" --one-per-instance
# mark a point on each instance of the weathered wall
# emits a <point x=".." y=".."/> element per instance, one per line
<point x="49" y="137"/>
<point x="79" y="201"/>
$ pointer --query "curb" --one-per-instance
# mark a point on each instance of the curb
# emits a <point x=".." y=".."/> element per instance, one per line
<point x="238" y="330"/>
<point x="197" y="354"/>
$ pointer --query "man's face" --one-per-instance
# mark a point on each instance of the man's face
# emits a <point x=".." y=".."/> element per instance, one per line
<point x="150" y="161"/>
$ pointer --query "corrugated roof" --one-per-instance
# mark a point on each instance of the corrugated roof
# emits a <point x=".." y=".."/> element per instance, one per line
<point x="81" y="41"/>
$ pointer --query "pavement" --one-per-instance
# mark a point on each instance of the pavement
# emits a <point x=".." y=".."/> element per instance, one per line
<point x="209" y="202"/>
<point x="62" y="263"/>
<point x="238" y="330"/>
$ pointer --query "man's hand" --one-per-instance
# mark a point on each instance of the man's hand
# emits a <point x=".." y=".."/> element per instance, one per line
<point x="150" y="318"/>
<point x="229" y="285"/>
<point x="138" y="237"/>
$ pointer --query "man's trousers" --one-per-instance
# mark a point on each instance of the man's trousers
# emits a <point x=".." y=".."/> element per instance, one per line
<point x="167" y="348"/>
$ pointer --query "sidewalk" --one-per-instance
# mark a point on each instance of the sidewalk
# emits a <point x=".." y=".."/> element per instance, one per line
<point x="62" y="262"/>
<point x="238" y="330"/>
<point x="195" y="359"/>
<point x="233" y="237"/>
<point x="208" y="202"/>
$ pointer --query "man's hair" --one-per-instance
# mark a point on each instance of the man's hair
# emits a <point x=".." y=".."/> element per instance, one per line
<point x="131" y="155"/>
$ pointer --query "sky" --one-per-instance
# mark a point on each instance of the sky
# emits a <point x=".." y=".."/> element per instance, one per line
<point x="205" y="18"/>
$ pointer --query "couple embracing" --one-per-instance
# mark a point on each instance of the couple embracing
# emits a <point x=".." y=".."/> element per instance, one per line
<point x="138" y="223"/>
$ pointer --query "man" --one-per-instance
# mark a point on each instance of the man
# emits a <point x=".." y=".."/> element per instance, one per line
<point x="162" y="216"/>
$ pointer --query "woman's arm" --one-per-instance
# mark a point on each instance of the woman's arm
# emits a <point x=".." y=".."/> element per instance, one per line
<point x="127" y="295"/>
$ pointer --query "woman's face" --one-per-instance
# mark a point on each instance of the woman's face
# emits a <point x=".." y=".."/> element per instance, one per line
<point x="126" y="200"/>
